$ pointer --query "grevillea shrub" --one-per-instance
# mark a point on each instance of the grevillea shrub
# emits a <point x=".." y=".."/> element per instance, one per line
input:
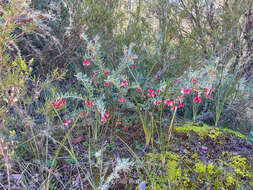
<point x="107" y="92"/>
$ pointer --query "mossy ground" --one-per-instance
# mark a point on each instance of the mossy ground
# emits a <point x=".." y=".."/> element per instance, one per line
<point x="202" y="157"/>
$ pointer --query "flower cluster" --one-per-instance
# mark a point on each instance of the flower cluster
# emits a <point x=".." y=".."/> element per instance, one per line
<point x="58" y="103"/>
<point x="88" y="104"/>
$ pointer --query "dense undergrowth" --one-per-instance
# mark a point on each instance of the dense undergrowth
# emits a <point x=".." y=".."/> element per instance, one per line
<point x="126" y="95"/>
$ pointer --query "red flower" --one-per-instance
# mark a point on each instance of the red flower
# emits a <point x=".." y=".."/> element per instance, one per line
<point x="207" y="92"/>
<point x="207" y="95"/>
<point x="58" y="103"/>
<point x="138" y="90"/>
<point x="93" y="76"/>
<point x="66" y="122"/>
<point x="158" y="90"/>
<point x="121" y="100"/>
<point x="103" y="119"/>
<point x="89" y="104"/>
<point x="86" y="63"/>
<point x="168" y="102"/>
<point x="133" y="66"/>
<point x="157" y="103"/>
<point x="197" y="99"/>
<point x="180" y="105"/>
<point x="123" y="83"/>
<point x="82" y="114"/>
<point x="173" y="107"/>
<point x="194" y="80"/>
<point x="185" y="91"/>
<point x="126" y="127"/>
<point x="106" y="73"/>
<point x="106" y="83"/>
<point x="196" y="92"/>
<point x="150" y="90"/>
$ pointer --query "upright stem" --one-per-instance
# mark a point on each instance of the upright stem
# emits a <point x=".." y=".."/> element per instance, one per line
<point x="194" y="112"/>
<point x="171" y="122"/>
<point x="5" y="156"/>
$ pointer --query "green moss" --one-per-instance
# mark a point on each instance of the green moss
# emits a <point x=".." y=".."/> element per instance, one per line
<point x="229" y="180"/>
<point x="177" y="171"/>
<point x="238" y="163"/>
<point x="202" y="131"/>
<point x="168" y="169"/>
<point x="200" y="168"/>
<point x="237" y="134"/>
<point x="205" y="131"/>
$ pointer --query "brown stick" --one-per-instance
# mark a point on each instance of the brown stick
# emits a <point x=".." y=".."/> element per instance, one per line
<point x="171" y="123"/>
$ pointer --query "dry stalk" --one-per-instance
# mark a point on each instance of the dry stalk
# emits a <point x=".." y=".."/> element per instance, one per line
<point x="6" y="160"/>
<point x="171" y="122"/>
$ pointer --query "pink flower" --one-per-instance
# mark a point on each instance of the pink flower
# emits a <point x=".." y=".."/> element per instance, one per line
<point x="185" y="91"/>
<point x="106" y="73"/>
<point x="86" y="63"/>
<point x="180" y="105"/>
<point x="118" y="122"/>
<point x="197" y="99"/>
<point x="150" y="90"/>
<point x="121" y="99"/>
<point x="90" y="80"/>
<point x="138" y="90"/>
<point x="156" y="78"/>
<point x="106" y="83"/>
<point x="123" y="83"/>
<point x="194" y="80"/>
<point x="103" y="119"/>
<point x="66" y="122"/>
<point x="151" y="94"/>
<point x="93" y="76"/>
<point x="126" y="127"/>
<point x="133" y="66"/>
<point x="168" y="102"/>
<point x="157" y="103"/>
